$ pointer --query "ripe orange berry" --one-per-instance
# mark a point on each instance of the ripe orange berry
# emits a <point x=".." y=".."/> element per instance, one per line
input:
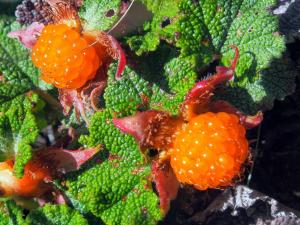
<point x="209" y="150"/>
<point x="66" y="57"/>
<point x="32" y="184"/>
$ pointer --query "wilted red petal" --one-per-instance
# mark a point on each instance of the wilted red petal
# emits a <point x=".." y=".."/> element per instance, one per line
<point x="91" y="92"/>
<point x="248" y="121"/>
<point x="120" y="56"/>
<point x="64" y="161"/>
<point x="136" y="125"/>
<point x="198" y="98"/>
<point x="167" y="184"/>
<point x="50" y="197"/>
<point x="28" y="37"/>
<point x="84" y="100"/>
<point x="71" y="98"/>
<point x="151" y="129"/>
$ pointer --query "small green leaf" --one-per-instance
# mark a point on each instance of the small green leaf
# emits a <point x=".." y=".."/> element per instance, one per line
<point x="162" y="26"/>
<point x="273" y="83"/>
<point x="4" y="216"/>
<point x="99" y="14"/>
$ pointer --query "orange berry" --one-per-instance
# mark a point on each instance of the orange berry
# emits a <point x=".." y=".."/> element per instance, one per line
<point x="65" y="57"/>
<point x="32" y="184"/>
<point x="209" y="150"/>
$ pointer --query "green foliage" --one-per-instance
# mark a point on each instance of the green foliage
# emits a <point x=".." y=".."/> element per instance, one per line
<point x="15" y="212"/>
<point x="162" y="26"/>
<point x="55" y="215"/>
<point x="180" y="73"/>
<point x="18" y="130"/>
<point x="171" y="78"/>
<point x="273" y="83"/>
<point x="211" y="27"/>
<point x="18" y="126"/>
<point x="121" y="192"/>
<point x="126" y="95"/>
<point x="10" y="213"/>
<point x="18" y="74"/>
<point x="100" y="14"/>
<point x="208" y="28"/>
<point x="4" y="216"/>
<point x="115" y="188"/>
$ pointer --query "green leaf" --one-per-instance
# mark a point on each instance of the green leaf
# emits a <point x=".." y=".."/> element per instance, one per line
<point x="18" y="126"/>
<point x="210" y="27"/>
<point x="18" y="74"/>
<point x="162" y="26"/>
<point x="273" y="83"/>
<point x="10" y="213"/>
<point x="55" y="215"/>
<point x="4" y="216"/>
<point x="18" y="130"/>
<point x="15" y="213"/>
<point x="180" y="73"/>
<point x="171" y="78"/>
<point x="125" y="95"/>
<point x="121" y="192"/>
<point x="99" y="14"/>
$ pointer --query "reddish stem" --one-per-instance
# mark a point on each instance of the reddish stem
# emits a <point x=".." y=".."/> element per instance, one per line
<point x="235" y="60"/>
<point x="198" y="98"/>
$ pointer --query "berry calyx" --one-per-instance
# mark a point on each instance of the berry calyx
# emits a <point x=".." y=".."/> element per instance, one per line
<point x="209" y="150"/>
<point x="66" y="57"/>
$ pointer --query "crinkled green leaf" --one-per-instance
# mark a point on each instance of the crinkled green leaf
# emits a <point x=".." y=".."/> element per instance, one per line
<point x="99" y="14"/>
<point x="127" y="94"/>
<point x="210" y="27"/>
<point x="18" y="126"/>
<point x="18" y="130"/>
<point x="119" y="182"/>
<point x="18" y="74"/>
<point x="10" y="213"/>
<point x="273" y="83"/>
<point x="180" y="73"/>
<point x="171" y="78"/>
<point x="162" y="26"/>
<point x="55" y="215"/>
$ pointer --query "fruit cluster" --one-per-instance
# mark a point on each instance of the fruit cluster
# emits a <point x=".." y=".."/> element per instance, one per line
<point x="66" y="58"/>
<point x="209" y="150"/>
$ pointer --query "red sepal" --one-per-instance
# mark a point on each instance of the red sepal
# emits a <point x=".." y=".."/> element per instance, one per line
<point x="28" y="36"/>
<point x="166" y="183"/>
